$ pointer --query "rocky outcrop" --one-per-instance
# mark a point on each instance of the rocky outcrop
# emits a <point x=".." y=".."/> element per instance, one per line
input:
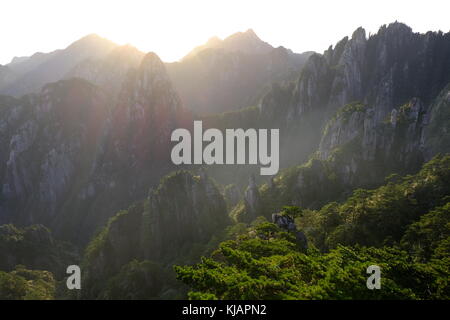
<point x="383" y="73"/>
<point x="397" y="142"/>
<point x="287" y="223"/>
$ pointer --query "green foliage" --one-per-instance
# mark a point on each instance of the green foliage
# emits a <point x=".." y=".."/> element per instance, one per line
<point x="35" y="248"/>
<point x="181" y="220"/>
<point x="381" y="216"/>
<point x="346" y="111"/>
<point x="429" y="236"/>
<point x="266" y="264"/>
<point x="291" y="211"/>
<point x="388" y="227"/>
<point x="137" y="280"/>
<point x="23" y="284"/>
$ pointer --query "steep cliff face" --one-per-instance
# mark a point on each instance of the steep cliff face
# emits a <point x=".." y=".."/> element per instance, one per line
<point x="252" y="200"/>
<point x="358" y="149"/>
<point x="147" y="112"/>
<point x="437" y="133"/>
<point x="177" y="220"/>
<point x="46" y="141"/>
<point x="135" y="149"/>
<point x="384" y="72"/>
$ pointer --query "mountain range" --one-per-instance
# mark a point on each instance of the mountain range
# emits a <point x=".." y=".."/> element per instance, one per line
<point x="85" y="154"/>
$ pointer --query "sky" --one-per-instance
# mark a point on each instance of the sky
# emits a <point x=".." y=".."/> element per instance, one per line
<point x="171" y="28"/>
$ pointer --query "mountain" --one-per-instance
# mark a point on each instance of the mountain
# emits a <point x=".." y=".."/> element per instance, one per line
<point x="32" y="73"/>
<point x="160" y="230"/>
<point x="385" y="71"/>
<point x="246" y="42"/>
<point x="108" y="71"/>
<point x="402" y="226"/>
<point x="6" y="75"/>
<point x="367" y="113"/>
<point x="45" y="142"/>
<point x="361" y="116"/>
<point x="66" y="151"/>
<point x="231" y="74"/>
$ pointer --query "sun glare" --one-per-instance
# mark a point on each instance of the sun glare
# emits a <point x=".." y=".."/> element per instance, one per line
<point x="172" y="28"/>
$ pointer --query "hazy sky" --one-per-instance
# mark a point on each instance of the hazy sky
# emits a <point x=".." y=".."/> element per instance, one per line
<point x="172" y="28"/>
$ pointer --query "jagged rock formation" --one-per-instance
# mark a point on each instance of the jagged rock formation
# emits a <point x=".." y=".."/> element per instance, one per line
<point x="184" y="212"/>
<point x="357" y="150"/>
<point x="383" y="71"/>
<point x="252" y="200"/>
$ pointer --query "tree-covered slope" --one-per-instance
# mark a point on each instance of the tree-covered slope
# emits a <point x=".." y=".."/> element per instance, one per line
<point x="177" y="222"/>
<point x="403" y="227"/>
<point x="24" y="284"/>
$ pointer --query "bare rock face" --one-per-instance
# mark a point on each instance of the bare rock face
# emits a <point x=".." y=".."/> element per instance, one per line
<point x="252" y="200"/>
<point x="232" y="195"/>
<point x="49" y="135"/>
<point x="397" y="142"/>
<point x="436" y="137"/>
<point x="384" y="72"/>
<point x="348" y="81"/>
<point x="148" y="111"/>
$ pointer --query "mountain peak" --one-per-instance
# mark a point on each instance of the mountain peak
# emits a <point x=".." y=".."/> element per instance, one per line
<point x="247" y="35"/>
<point x="359" y="34"/>
<point x="247" y="42"/>
<point x="151" y="58"/>
<point x="92" y="40"/>
<point x="153" y="69"/>
<point x="251" y="32"/>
